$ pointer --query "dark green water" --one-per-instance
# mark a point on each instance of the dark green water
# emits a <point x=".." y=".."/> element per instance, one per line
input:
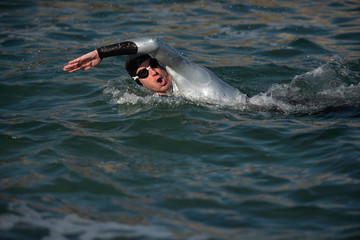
<point x="89" y="155"/>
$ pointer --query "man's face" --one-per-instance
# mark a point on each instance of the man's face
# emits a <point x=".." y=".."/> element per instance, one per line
<point x="158" y="80"/>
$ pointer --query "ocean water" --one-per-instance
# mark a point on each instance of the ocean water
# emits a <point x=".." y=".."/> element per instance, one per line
<point x="90" y="155"/>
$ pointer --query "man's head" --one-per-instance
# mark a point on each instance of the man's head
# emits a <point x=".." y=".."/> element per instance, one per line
<point x="146" y="71"/>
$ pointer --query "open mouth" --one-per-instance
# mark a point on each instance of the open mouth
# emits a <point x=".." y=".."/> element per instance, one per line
<point x="161" y="81"/>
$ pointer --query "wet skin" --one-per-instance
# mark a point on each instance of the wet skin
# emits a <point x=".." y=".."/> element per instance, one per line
<point x="158" y="81"/>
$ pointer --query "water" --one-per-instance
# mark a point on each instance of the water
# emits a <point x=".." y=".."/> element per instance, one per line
<point x="89" y="155"/>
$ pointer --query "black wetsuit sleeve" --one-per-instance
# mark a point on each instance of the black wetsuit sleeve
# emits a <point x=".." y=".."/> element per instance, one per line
<point x="123" y="48"/>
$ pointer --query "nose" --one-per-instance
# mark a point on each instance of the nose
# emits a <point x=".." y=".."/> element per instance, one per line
<point x="153" y="72"/>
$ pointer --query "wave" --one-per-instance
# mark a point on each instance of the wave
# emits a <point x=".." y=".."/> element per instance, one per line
<point x="27" y="217"/>
<point x="334" y="84"/>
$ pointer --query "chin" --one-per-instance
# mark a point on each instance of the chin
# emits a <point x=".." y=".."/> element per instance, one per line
<point x="166" y="87"/>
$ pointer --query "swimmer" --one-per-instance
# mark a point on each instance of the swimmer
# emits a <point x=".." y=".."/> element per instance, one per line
<point x="161" y="69"/>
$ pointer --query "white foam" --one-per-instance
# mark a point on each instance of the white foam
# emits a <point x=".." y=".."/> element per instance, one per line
<point x="329" y="85"/>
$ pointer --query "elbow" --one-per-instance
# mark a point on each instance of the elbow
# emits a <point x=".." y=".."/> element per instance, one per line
<point x="155" y="42"/>
<point x="148" y="45"/>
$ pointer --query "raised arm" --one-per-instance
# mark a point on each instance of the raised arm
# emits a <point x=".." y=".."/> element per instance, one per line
<point x="159" y="50"/>
<point x="145" y="45"/>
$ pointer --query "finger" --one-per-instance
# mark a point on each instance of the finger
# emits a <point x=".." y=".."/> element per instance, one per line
<point x="75" y="64"/>
<point x="69" y="67"/>
<point x="88" y="66"/>
<point x="74" y="70"/>
<point x="78" y="60"/>
<point x="70" y="70"/>
<point x="75" y="61"/>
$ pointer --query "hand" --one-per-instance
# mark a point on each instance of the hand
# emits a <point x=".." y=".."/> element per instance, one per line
<point x="84" y="62"/>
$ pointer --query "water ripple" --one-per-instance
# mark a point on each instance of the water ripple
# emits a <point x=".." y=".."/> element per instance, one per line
<point x="90" y="155"/>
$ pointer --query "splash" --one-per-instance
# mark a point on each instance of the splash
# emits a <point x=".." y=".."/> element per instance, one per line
<point x="123" y="93"/>
<point x="334" y="84"/>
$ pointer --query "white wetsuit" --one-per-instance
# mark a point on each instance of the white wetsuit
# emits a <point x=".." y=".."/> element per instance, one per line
<point x="189" y="80"/>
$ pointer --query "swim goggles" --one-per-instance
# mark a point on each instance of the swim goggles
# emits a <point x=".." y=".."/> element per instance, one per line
<point x="144" y="73"/>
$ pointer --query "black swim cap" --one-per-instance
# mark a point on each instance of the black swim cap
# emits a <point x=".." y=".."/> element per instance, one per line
<point x="133" y="62"/>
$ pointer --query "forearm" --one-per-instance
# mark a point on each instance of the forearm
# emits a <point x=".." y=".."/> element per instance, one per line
<point x="123" y="48"/>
